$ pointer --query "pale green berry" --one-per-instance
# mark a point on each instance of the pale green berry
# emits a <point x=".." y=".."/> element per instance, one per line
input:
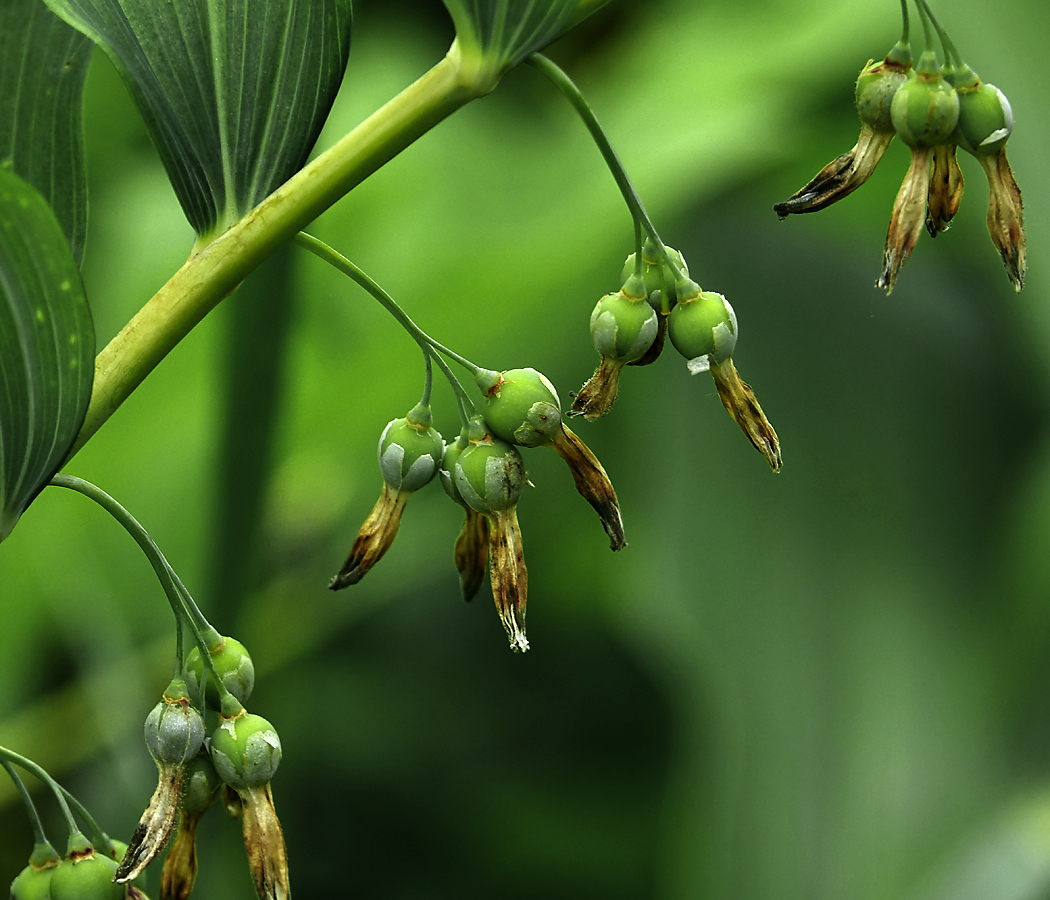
<point x="490" y="476"/>
<point x="234" y="666"/>
<point x="246" y="751"/>
<point x="623" y="328"/>
<point x="703" y="330"/>
<point x="409" y="453"/>
<point x="523" y="408"/>
<point x="985" y="120"/>
<point x="924" y="109"/>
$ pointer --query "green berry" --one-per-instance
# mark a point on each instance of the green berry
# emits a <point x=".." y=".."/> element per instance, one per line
<point x="200" y="784"/>
<point x="924" y="109"/>
<point x="876" y="87"/>
<point x="985" y="120"/>
<point x="490" y="476"/>
<point x="86" y="876"/>
<point x="523" y="408"/>
<point x="235" y="669"/>
<point x="32" y="884"/>
<point x="703" y="330"/>
<point x="246" y="751"/>
<point x="174" y="732"/>
<point x="623" y="329"/>
<point x="652" y="268"/>
<point x="409" y="454"/>
<point x="448" y="465"/>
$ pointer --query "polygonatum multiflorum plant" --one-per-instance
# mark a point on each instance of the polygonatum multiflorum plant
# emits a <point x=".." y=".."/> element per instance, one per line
<point x="240" y="173"/>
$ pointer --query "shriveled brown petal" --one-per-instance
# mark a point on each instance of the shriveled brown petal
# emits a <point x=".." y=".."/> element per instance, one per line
<point x="155" y="827"/>
<point x="598" y="395"/>
<point x="264" y="844"/>
<point x="840" y="177"/>
<point x="909" y="212"/>
<point x="180" y="866"/>
<point x="592" y="483"/>
<point x="1005" y="215"/>
<point x="739" y="400"/>
<point x="510" y="579"/>
<point x="374" y="538"/>
<point x="472" y="553"/>
<point x="946" y="190"/>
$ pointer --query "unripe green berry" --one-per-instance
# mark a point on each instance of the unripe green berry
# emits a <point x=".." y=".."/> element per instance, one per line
<point x="651" y="271"/>
<point x="246" y="751"/>
<point x="523" y="408"/>
<point x="409" y="454"/>
<point x="623" y="329"/>
<point x="985" y="120"/>
<point x="448" y="465"/>
<point x="235" y="669"/>
<point x="200" y="785"/>
<point x="490" y="476"/>
<point x="174" y="732"/>
<point x="876" y="87"/>
<point x="924" y="110"/>
<point x="87" y="876"/>
<point x="703" y="330"/>
<point x="32" y="884"/>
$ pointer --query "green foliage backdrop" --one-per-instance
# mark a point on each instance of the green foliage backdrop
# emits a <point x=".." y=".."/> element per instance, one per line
<point x="824" y="684"/>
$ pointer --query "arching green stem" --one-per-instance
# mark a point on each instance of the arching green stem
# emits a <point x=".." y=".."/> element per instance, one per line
<point x="56" y="788"/>
<point x="573" y="94"/>
<point x="98" y="837"/>
<point x="427" y="344"/>
<point x="187" y="613"/>
<point x="34" y="817"/>
<point x="927" y="27"/>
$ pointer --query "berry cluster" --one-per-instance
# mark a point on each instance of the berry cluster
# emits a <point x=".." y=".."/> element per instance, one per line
<point x="934" y="109"/>
<point x="483" y="471"/>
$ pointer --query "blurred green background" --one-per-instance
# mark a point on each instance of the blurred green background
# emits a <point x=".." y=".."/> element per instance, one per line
<point x="831" y="683"/>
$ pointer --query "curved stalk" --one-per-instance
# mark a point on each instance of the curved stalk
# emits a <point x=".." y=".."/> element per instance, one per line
<point x="336" y="259"/>
<point x="212" y="273"/>
<point x="186" y="611"/>
<point x="572" y="93"/>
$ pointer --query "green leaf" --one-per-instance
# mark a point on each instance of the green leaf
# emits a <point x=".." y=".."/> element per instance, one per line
<point x="496" y="35"/>
<point x="47" y="347"/>
<point x="233" y="92"/>
<point x="42" y="71"/>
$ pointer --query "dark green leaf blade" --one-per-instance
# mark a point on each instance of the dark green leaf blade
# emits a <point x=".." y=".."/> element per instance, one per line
<point x="503" y="32"/>
<point x="233" y="92"/>
<point x="47" y="347"/>
<point x="42" y="70"/>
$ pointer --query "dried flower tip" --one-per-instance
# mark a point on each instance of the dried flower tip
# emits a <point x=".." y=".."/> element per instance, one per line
<point x="739" y="400"/>
<point x="841" y="177"/>
<point x="155" y="827"/>
<point x="174" y="732"/>
<point x="374" y="538"/>
<point x="472" y="553"/>
<point x="599" y="394"/>
<point x="593" y="483"/>
<point x="509" y="577"/>
<point x="264" y="843"/>
<point x="946" y="189"/>
<point x="180" y="866"/>
<point x="909" y="211"/>
<point x="1005" y="215"/>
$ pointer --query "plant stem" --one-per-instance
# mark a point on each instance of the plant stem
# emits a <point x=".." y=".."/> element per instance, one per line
<point x="573" y="94"/>
<point x="186" y="611"/>
<point x="40" y="773"/>
<point x="212" y="273"/>
<point x="34" y="817"/>
<point x="336" y="259"/>
<point x="98" y="836"/>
